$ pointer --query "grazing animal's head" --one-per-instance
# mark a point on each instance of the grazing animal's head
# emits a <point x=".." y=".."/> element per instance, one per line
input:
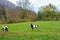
<point x="31" y="25"/>
<point x="6" y="29"/>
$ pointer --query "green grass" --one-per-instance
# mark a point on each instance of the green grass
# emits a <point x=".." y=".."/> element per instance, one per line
<point x="48" y="30"/>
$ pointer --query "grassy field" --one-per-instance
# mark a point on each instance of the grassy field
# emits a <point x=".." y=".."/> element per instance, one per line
<point x="48" y="30"/>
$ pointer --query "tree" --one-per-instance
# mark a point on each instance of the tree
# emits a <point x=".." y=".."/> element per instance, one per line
<point x="2" y="13"/>
<point x="25" y="10"/>
<point x="25" y="4"/>
<point x="48" y="12"/>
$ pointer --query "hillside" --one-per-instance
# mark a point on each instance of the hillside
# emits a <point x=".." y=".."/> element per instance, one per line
<point x="9" y="13"/>
<point x="6" y="3"/>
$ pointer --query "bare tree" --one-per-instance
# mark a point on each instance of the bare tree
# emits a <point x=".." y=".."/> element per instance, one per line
<point x="25" y="4"/>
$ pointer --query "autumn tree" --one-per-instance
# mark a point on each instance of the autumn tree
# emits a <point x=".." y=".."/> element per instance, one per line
<point x="2" y="13"/>
<point x="25" y="10"/>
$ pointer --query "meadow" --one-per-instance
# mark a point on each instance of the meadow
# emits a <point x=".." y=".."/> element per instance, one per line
<point x="48" y="30"/>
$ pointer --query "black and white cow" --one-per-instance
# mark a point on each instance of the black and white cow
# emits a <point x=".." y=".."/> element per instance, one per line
<point x="5" y="28"/>
<point x="34" y="26"/>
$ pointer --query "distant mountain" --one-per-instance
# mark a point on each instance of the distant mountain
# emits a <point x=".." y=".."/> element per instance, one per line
<point x="7" y="3"/>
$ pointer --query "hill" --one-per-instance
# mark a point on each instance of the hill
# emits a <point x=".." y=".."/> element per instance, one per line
<point x="7" y="3"/>
<point x="9" y="13"/>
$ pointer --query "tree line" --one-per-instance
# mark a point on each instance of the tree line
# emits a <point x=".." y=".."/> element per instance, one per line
<point x="24" y="13"/>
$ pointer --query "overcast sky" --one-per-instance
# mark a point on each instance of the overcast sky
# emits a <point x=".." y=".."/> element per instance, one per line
<point x="38" y="3"/>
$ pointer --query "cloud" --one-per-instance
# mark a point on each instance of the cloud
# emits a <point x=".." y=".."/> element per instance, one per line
<point x="38" y="3"/>
<point x="44" y="2"/>
<point x="13" y="1"/>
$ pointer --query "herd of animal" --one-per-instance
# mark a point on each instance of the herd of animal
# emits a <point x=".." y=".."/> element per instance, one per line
<point x="33" y="26"/>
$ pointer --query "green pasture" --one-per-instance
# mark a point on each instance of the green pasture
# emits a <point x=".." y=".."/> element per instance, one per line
<point x="48" y="30"/>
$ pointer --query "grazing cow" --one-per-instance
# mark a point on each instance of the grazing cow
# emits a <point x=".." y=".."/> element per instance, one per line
<point x="5" y="28"/>
<point x="33" y="26"/>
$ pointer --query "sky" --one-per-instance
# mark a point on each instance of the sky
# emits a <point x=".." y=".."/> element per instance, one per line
<point x="38" y="3"/>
